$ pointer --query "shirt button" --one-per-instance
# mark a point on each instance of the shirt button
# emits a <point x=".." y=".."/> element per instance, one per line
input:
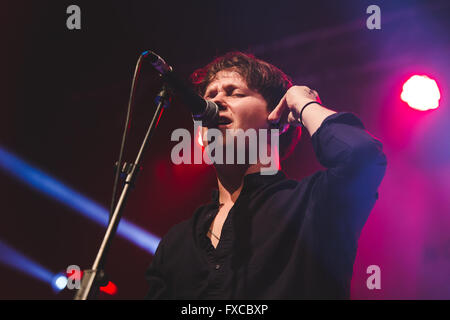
<point x="217" y="266"/>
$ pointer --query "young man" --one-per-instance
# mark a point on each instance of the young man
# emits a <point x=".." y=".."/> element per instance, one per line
<point x="266" y="236"/>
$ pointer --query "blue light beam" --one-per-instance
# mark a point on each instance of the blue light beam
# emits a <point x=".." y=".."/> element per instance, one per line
<point x="49" y="186"/>
<point x="11" y="258"/>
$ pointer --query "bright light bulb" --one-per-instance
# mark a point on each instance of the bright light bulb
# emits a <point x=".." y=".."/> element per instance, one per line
<point x="60" y="282"/>
<point x="421" y="93"/>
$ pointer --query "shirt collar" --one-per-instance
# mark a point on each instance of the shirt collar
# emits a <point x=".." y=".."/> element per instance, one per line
<point x="251" y="182"/>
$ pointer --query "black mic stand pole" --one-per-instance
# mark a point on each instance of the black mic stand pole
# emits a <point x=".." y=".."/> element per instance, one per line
<point x="94" y="278"/>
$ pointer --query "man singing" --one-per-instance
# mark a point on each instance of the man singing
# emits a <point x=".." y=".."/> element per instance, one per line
<point x="265" y="236"/>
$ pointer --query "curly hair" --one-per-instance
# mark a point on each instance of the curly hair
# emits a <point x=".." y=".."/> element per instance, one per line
<point x="260" y="76"/>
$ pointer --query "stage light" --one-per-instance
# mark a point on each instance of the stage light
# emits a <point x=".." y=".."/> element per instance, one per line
<point x="110" y="288"/>
<point x="51" y="187"/>
<point x="199" y="137"/>
<point x="59" y="282"/>
<point x="421" y="93"/>
<point x="12" y="258"/>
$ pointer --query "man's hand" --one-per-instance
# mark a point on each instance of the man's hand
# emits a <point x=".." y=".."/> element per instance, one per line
<point x="288" y="109"/>
<point x="287" y="112"/>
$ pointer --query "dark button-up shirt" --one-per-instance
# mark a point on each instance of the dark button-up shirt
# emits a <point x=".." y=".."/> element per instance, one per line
<point x="282" y="239"/>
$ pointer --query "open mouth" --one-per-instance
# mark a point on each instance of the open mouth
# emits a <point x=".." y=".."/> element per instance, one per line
<point x="224" y="121"/>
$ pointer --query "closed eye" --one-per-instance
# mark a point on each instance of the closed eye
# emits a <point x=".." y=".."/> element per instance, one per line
<point x="210" y="95"/>
<point x="236" y="92"/>
<point x="230" y="90"/>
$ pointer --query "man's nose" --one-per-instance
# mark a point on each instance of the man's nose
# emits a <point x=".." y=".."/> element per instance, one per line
<point x="220" y="101"/>
<point x="221" y="106"/>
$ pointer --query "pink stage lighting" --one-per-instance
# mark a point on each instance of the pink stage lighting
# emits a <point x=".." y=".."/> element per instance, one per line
<point x="199" y="137"/>
<point x="421" y="93"/>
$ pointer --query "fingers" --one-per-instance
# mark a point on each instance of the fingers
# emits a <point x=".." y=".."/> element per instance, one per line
<point x="283" y="114"/>
<point x="277" y="113"/>
<point x="292" y="119"/>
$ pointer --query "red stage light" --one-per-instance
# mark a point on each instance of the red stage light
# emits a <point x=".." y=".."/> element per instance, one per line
<point x="199" y="137"/>
<point x="421" y="93"/>
<point x="110" y="288"/>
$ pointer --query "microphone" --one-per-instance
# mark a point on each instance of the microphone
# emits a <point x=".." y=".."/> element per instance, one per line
<point x="202" y="110"/>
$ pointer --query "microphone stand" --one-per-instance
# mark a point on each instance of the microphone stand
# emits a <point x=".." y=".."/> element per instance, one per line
<point x="95" y="277"/>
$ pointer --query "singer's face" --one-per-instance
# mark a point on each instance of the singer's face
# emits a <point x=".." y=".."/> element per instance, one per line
<point x="239" y="106"/>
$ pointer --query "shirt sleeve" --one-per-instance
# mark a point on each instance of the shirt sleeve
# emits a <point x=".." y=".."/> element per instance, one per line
<point x="155" y="276"/>
<point x="355" y="166"/>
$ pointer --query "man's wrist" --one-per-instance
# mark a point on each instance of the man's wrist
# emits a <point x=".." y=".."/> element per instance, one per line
<point x="300" y="104"/>
<point x="303" y="110"/>
<point x="313" y="116"/>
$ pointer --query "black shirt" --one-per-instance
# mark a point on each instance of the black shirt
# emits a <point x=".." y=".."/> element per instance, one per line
<point x="282" y="239"/>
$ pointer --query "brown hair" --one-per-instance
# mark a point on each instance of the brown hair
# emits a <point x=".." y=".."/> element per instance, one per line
<point x="260" y="76"/>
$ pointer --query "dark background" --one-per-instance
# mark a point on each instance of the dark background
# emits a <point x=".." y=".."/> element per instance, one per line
<point x="63" y="104"/>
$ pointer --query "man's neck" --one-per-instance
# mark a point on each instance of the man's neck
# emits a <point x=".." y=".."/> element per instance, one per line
<point x="230" y="180"/>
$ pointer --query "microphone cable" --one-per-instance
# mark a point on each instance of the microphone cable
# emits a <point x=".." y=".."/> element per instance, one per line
<point x="124" y="135"/>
